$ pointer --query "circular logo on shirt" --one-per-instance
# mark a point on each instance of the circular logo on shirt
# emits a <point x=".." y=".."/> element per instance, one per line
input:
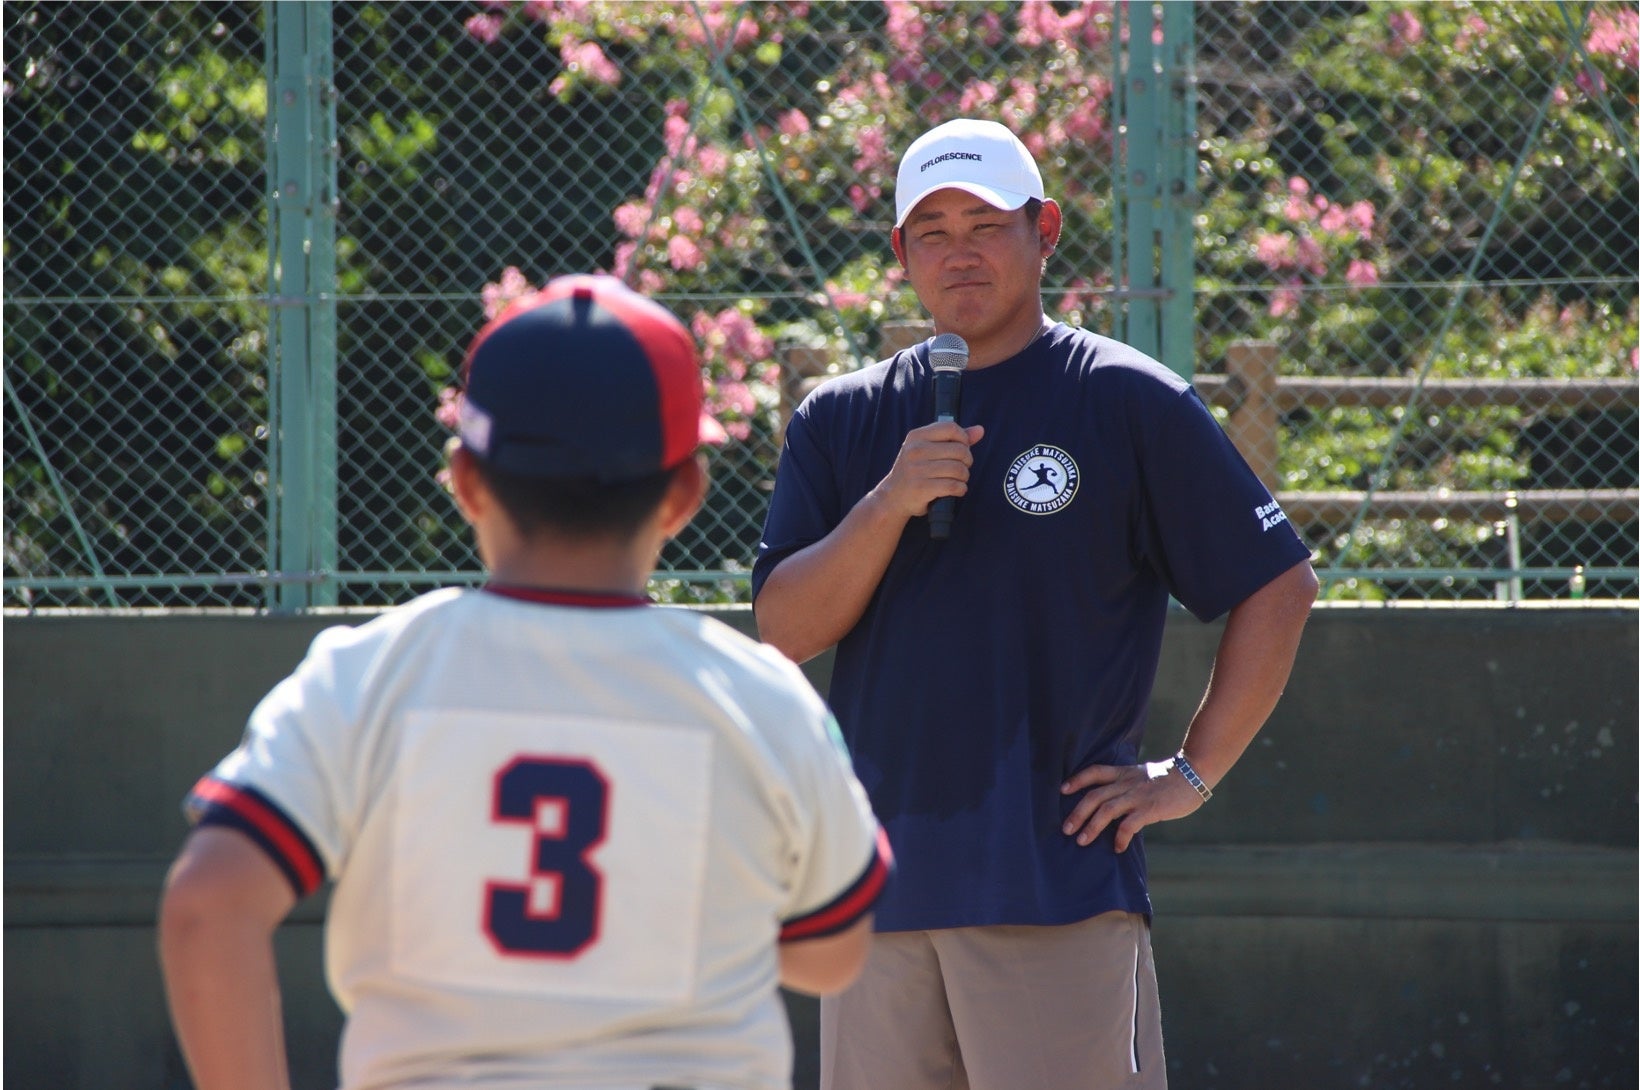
<point x="1041" y="481"/>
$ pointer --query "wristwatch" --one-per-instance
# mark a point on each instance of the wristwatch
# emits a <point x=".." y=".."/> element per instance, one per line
<point x="1157" y="769"/>
<point x="1190" y="776"/>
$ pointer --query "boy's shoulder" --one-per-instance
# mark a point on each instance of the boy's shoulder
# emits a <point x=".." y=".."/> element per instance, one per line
<point x="734" y="649"/>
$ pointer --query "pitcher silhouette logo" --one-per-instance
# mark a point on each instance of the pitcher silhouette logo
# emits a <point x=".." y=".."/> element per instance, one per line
<point x="1041" y="481"/>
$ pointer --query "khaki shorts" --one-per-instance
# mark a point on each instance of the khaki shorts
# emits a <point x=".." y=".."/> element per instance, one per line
<point x="1000" y="1008"/>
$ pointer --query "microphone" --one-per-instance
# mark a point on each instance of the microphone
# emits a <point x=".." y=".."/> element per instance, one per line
<point x="948" y="353"/>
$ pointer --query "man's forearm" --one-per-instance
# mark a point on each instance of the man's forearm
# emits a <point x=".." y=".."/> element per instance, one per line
<point x="1254" y="660"/>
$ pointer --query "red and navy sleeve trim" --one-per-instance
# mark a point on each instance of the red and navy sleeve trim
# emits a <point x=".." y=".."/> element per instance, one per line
<point x="846" y="909"/>
<point x="218" y="802"/>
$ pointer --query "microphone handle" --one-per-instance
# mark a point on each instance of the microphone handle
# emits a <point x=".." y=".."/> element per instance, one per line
<point x="947" y="392"/>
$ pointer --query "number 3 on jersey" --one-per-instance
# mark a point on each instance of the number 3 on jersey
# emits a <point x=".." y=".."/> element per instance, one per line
<point x="556" y="913"/>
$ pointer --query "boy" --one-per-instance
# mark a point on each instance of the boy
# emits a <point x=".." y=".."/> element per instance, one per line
<point x="576" y="840"/>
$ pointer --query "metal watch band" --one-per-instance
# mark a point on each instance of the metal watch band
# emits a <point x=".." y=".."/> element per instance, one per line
<point x="1190" y="776"/>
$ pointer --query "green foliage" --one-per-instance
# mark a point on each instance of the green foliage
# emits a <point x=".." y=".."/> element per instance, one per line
<point x="1376" y="196"/>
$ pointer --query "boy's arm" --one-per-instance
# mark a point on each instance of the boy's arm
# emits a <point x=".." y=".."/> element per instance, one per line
<point x="222" y="901"/>
<point x="826" y="965"/>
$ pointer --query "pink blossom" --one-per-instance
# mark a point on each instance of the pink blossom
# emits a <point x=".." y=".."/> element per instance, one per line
<point x="1020" y="108"/>
<point x="1363" y="215"/>
<point x="1591" y="83"/>
<point x="732" y="338"/>
<point x="588" y="58"/>
<point x="737" y="397"/>
<point x="979" y="93"/>
<point x="1299" y="208"/>
<point x="448" y="412"/>
<point x="683" y="254"/>
<point x="624" y="254"/>
<point x="904" y="27"/>
<point x="1474" y="27"/>
<point x="650" y="282"/>
<point x="1086" y="122"/>
<point x="676" y="132"/>
<point x="496" y="296"/>
<point x="485" y="28"/>
<point x="713" y="161"/>
<point x="1334" y="219"/>
<point x="989" y="28"/>
<point x="862" y="197"/>
<point x="793" y="122"/>
<point x="1284" y="301"/>
<point x="1095" y="23"/>
<point x="631" y="218"/>
<point x="743" y="337"/>
<point x="541" y="11"/>
<point x="1276" y="250"/>
<point x="1617" y="35"/>
<point x="1039" y="23"/>
<point x="872" y="145"/>
<point x="1361" y="274"/>
<point x="1311" y="257"/>
<point x="688" y="221"/>
<point x="1404" y="29"/>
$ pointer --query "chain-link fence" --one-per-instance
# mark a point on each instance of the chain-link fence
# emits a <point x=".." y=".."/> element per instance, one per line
<point x="245" y="245"/>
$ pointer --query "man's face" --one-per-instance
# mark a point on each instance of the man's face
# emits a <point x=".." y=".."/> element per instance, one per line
<point x="976" y="268"/>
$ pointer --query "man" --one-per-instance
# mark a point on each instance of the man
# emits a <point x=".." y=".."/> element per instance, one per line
<point x="576" y="840"/>
<point x="993" y="686"/>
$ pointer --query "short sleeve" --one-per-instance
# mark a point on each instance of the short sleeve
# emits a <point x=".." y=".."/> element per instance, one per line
<point x="806" y="504"/>
<point x="846" y="862"/>
<point x="1212" y="529"/>
<point x="280" y="787"/>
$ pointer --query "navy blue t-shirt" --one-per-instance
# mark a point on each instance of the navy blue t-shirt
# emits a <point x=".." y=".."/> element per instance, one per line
<point x="990" y="666"/>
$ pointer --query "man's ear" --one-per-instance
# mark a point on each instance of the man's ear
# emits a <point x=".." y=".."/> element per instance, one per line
<point x="1048" y="225"/>
<point x="896" y="239"/>
<point x="684" y="495"/>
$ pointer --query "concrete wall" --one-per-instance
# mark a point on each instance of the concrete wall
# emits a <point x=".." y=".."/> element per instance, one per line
<point x="1423" y="873"/>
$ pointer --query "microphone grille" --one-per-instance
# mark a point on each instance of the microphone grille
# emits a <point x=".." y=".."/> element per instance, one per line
<point x="948" y="352"/>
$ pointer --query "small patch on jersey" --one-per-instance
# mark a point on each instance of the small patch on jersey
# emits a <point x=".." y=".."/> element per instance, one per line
<point x="1041" y="481"/>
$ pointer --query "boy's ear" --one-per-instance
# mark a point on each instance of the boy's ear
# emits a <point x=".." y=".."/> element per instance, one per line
<point x="684" y="495"/>
<point x="466" y="484"/>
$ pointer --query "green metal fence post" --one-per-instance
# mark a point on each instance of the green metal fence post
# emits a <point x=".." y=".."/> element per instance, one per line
<point x="1140" y="129"/>
<point x="1178" y="197"/>
<point x="301" y="240"/>
<point x="321" y="310"/>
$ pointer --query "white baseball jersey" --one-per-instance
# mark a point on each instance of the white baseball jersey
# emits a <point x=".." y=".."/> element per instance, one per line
<point x="565" y="832"/>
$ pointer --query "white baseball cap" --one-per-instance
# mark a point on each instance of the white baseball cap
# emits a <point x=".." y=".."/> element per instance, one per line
<point x="978" y="157"/>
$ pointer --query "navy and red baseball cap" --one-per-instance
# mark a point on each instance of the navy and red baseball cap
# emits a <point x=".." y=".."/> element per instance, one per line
<point x="584" y="378"/>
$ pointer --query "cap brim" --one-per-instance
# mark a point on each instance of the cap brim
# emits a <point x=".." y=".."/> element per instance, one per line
<point x="1005" y="199"/>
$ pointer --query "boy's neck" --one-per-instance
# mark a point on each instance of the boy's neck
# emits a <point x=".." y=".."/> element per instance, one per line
<point x="594" y="567"/>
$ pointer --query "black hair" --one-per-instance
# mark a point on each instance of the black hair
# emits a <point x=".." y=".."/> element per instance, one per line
<point x="578" y="507"/>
